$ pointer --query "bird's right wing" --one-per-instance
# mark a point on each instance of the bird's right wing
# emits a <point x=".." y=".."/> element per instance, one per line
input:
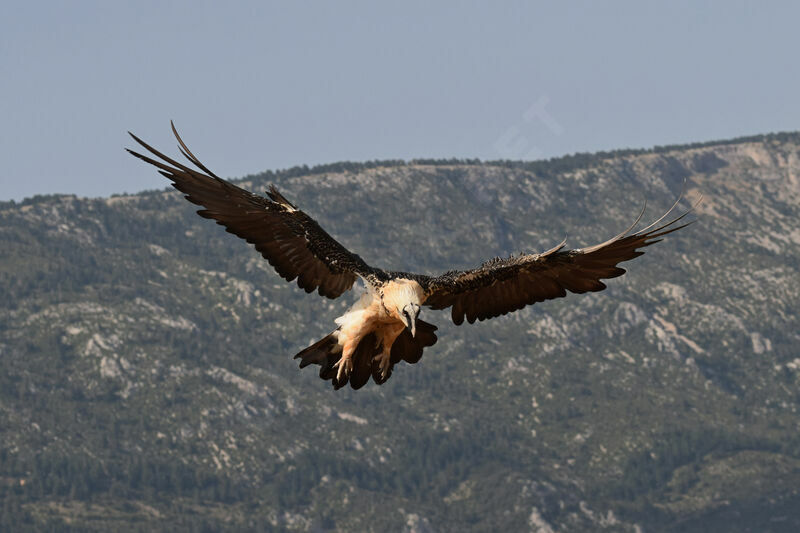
<point x="288" y="238"/>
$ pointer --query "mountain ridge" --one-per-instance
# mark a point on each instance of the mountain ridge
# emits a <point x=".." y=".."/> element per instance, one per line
<point x="577" y="158"/>
<point x="148" y="383"/>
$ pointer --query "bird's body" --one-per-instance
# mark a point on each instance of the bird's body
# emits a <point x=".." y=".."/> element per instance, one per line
<point x="376" y="313"/>
<point x="382" y="327"/>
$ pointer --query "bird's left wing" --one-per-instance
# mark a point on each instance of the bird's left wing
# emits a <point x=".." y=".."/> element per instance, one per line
<point x="500" y="286"/>
<point x="288" y="238"/>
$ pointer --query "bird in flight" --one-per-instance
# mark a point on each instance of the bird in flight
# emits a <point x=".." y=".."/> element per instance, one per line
<point x="383" y="327"/>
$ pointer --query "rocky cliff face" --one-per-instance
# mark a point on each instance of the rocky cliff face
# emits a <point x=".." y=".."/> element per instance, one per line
<point x="147" y="378"/>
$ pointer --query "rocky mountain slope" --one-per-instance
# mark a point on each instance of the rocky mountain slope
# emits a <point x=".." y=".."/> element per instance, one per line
<point x="147" y="380"/>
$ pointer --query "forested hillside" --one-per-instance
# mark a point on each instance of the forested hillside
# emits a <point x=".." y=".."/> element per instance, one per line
<point x="147" y="380"/>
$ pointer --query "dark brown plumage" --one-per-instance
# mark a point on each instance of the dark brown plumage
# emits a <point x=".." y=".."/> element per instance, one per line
<point x="500" y="286"/>
<point x="293" y="243"/>
<point x="300" y="249"/>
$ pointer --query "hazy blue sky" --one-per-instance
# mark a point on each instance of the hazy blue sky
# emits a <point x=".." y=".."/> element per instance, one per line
<point x="258" y="85"/>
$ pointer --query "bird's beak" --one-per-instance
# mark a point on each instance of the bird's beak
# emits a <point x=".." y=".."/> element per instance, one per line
<point x="409" y="317"/>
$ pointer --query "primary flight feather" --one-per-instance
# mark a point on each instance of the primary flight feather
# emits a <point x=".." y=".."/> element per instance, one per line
<point x="383" y="327"/>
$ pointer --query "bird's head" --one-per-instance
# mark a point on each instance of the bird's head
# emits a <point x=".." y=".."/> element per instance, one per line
<point x="408" y="314"/>
<point x="403" y="298"/>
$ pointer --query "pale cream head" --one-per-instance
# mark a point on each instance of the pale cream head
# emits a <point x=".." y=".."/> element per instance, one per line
<point x="403" y="298"/>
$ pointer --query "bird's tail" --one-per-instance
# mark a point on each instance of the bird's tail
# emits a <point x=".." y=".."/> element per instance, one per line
<point x="326" y="352"/>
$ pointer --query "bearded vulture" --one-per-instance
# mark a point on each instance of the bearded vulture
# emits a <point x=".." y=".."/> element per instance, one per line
<point x="382" y="327"/>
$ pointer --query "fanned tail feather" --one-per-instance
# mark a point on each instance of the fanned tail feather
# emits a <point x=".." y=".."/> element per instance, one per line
<point x="326" y="352"/>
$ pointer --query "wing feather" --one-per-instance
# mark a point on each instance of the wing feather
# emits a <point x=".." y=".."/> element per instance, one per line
<point x="293" y="243"/>
<point x="500" y="286"/>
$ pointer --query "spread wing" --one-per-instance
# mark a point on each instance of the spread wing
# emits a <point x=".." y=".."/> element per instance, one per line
<point x="289" y="239"/>
<point x="500" y="286"/>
